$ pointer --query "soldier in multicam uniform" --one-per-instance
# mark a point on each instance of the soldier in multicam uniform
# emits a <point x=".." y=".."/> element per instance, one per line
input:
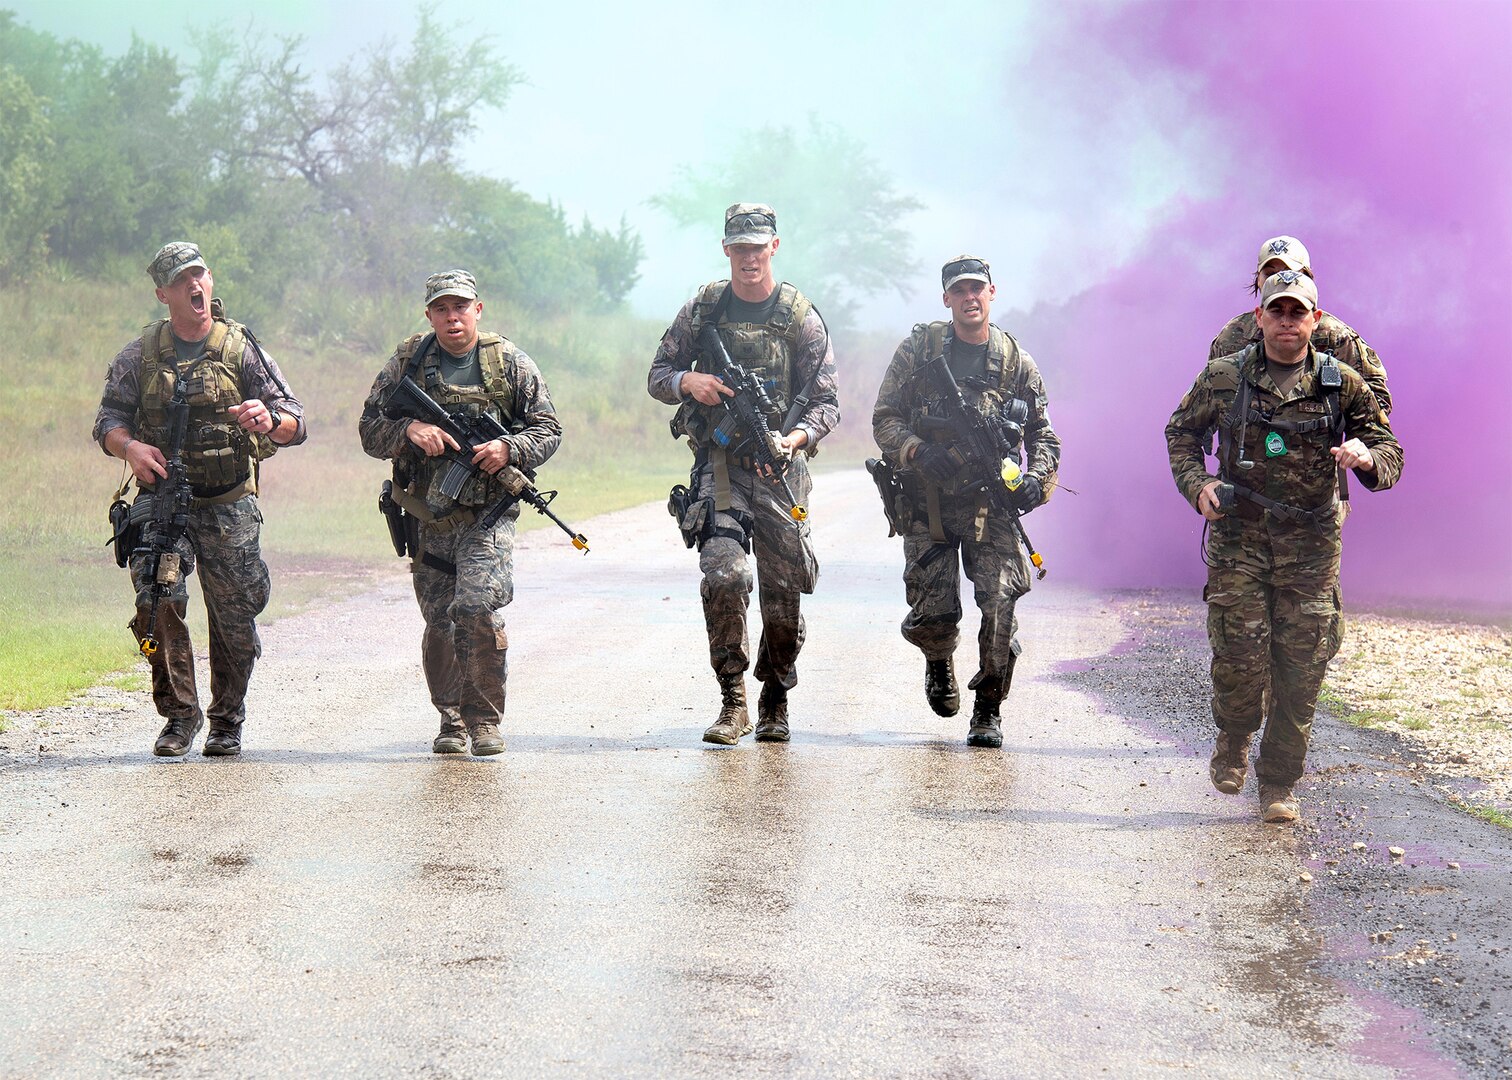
<point x="773" y="331"/>
<point x="1333" y="336"/>
<point x="945" y="528"/>
<point x="464" y="574"/>
<point x="240" y="410"/>
<point x="1290" y="422"/>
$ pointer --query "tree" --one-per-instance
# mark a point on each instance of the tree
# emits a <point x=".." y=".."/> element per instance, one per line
<point x="25" y="146"/>
<point x="837" y="212"/>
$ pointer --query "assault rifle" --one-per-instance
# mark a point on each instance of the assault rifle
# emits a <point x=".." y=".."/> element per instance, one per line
<point x="409" y="400"/>
<point x="981" y="444"/>
<point x="748" y="413"/>
<point x="166" y="521"/>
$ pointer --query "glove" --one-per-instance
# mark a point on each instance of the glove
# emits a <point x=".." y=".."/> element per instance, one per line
<point x="1029" y="494"/>
<point x="935" y="462"/>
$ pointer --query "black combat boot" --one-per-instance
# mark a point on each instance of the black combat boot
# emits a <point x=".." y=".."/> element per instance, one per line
<point x="452" y="738"/>
<point x="178" y="735"/>
<point x="486" y="740"/>
<point x="986" y="728"/>
<point x="734" y="718"/>
<point x="940" y="686"/>
<point x="771" y="713"/>
<point x="224" y="740"/>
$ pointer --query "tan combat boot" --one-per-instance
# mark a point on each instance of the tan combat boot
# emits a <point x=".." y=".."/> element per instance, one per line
<point x="734" y="718"/>
<point x="1229" y="763"/>
<point x="1278" y="804"/>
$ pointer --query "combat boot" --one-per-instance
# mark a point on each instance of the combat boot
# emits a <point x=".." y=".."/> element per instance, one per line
<point x="734" y="718"/>
<point x="1230" y="762"/>
<point x="486" y="740"/>
<point x="178" y="735"/>
<point x="771" y="713"/>
<point x="986" y="728"/>
<point x="224" y="740"/>
<point x="1277" y="804"/>
<point x="940" y="687"/>
<point x="452" y="738"/>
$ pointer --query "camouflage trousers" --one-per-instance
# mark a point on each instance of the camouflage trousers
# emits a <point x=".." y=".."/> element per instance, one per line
<point x="221" y="541"/>
<point x="1273" y="635"/>
<point x="464" y="650"/>
<point x="997" y="570"/>
<point x="785" y="568"/>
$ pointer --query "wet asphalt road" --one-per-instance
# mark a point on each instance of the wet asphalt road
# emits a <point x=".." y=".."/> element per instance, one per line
<point x="612" y="898"/>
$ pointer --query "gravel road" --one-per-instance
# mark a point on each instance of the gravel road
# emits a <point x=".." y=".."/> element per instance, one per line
<point x="612" y="898"/>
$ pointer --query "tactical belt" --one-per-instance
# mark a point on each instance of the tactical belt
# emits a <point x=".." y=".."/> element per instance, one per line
<point x="416" y="508"/>
<point x="1317" y="518"/>
<point x="218" y="495"/>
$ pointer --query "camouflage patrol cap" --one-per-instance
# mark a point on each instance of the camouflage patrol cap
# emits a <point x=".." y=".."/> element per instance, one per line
<point x="172" y="260"/>
<point x="965" y="268"/>
<point x="1286" y="248"/>
<point x="1293" y="283"/>
<point x="750" y="223"/>
<point x="450" y="283"/>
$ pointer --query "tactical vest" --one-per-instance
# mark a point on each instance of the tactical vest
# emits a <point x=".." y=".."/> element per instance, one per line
<point x="1324" y="429"/>
<point x="764" y="349"/>
<point x="1004" y="374"/>
<point x="496" y="396"/>
<point x="218" y="454"/>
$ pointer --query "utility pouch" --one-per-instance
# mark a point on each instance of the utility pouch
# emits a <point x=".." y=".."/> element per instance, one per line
<point x="395" y="517"/>
<point x="808" y="577"/>
<point x="895" y="504"/>
<point x="692" y="514"/>
<point x="124" y="532"/>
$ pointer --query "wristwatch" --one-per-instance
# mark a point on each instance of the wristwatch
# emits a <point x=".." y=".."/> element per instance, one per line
<point x="277" y="418"/>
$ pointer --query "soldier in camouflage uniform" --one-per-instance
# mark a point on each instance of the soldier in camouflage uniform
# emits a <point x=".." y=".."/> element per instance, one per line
<point x="1333" y="336"/>
<point x="730" y="508"/>
<point x="463" y="573"/>
<point x="944" y="527"/>
<point x="1291" y="422"/>
<point x="240" y="410"/>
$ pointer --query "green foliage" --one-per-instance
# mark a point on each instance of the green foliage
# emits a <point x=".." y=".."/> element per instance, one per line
<point x="286" y="178"/>
<point x="837" y="213"/>
<point x="24" y="146"/>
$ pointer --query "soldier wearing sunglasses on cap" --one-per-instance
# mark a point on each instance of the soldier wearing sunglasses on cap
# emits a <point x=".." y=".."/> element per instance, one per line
<point x="946" y="524"/>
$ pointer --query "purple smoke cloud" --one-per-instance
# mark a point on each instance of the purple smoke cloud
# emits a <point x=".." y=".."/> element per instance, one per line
<point x="1379" y="134"/>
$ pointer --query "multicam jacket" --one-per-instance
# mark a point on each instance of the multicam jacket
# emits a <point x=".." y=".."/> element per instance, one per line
<point x="1333" y="336"/>
<point x="1286" y="439"/>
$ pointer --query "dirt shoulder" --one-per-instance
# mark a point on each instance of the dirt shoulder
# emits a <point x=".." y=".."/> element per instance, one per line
<point x="1405" y="882"/>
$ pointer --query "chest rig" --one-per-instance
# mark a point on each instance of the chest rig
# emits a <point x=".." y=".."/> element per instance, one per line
<point x="997" y="393"/>
<point x="765" y="349"/>
<point x="218" y="455"/>
<point x="1323" y="427"/>
<point x="496" y="396"/>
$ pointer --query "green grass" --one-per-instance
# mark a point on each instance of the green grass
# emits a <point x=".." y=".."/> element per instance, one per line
<point x="64" y="604"/>
<point x="1488" y="813"/>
